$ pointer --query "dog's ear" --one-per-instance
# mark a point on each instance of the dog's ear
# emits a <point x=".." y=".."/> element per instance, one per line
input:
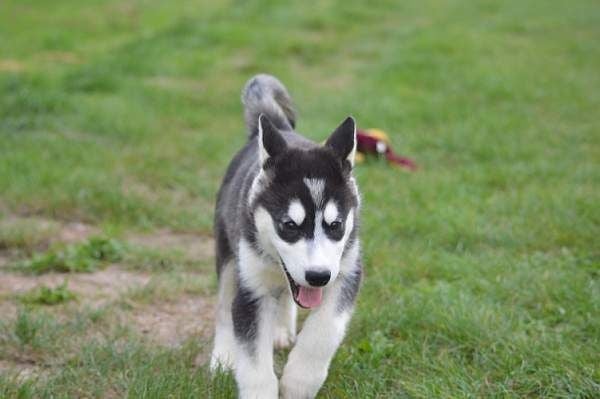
<point x="270" y="141"/>
<point x="343" y="140"/>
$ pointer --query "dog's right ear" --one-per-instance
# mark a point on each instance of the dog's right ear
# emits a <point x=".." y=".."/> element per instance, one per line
<point x="270" y="141"/>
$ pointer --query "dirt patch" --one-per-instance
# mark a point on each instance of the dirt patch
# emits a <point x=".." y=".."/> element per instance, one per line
<point x="38" y="233"/>
<point x="170" y="324"/>
<point x="75" y="231"/>
<point x="21" y="369"/>
<point x="169" y="310"/>
<point x="93" y="289"/>
<point x="63" y="57"/>
<point x="193" y="246"/>
<point x="8" y="309"/>
<point x="8" y="65"/>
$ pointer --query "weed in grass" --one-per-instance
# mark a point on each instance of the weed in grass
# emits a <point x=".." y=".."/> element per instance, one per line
<point x="84" y="257"/>
<point x="13" y="387"/>
<point x="26" y="327"/>
<point x="104" y="249"/>
<point x="48" y="296"/>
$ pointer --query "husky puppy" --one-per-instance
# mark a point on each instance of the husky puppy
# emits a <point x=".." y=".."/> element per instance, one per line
<point x="286" y="229"/>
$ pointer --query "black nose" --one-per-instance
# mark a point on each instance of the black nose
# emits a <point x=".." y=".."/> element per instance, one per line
<point x="317" y="278"/>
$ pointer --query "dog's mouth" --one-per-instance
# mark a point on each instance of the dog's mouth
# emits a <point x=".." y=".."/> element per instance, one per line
<point x="305" y="297"/>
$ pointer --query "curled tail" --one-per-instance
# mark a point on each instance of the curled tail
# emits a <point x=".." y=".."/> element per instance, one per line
<point x="265" y="94"/>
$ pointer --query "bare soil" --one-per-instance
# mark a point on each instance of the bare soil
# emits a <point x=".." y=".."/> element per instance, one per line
<point x="164" y="321"/>
<point x="193" y="246"/>
<point x="170" y="324"/>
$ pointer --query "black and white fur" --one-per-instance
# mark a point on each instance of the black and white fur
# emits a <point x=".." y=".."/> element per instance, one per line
<point x="287" y="207"/>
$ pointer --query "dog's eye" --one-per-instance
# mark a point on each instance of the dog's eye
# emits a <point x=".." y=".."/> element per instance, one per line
<point x="335" y="225"/>
<point x="290" y="225"/>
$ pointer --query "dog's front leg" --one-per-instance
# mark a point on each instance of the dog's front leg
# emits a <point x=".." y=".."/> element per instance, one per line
<point x="323" y="331"/>
<point x="252" y="321"/>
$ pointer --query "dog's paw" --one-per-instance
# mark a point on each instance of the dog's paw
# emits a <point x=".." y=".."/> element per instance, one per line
<point x="297" y="384"/>
<point x="257" y="385"/>
<point x="283" y="338"/>
<point x="262" y="392"/>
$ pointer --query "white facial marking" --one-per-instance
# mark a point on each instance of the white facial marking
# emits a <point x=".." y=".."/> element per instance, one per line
<point x="266" y="231"/>
<point x="296" y="212"/>
<point x="301" y="255"/>
<point x="316" y="188"/>
<point x="331" y="212"/>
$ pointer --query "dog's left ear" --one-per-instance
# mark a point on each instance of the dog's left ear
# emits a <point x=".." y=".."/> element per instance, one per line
<point x="343" y="140"/>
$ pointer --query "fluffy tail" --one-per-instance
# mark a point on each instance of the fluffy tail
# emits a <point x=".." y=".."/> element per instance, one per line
<point x="265" y="94"/>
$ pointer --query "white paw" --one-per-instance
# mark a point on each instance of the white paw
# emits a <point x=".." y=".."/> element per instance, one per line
<point x="221" y="359"/>
<point x="266" y="392"/>
<point x="301" y="384"/>
<point x="259" y="388"/>
<point x="283" y="338"/>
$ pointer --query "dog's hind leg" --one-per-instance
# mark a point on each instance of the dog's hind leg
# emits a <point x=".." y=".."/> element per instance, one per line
<point x="284" y="328"/>
<point x="224" y="346"/>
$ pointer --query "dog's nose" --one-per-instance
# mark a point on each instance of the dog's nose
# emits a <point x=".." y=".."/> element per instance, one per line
<point x="318" y="277"/>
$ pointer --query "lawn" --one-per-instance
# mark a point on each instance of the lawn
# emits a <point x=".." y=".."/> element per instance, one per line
<point x="117" y="119"/>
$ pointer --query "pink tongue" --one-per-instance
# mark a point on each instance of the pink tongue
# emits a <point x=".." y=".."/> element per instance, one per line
<point x="310" y="297"/>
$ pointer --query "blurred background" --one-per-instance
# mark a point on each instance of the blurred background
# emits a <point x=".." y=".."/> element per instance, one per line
<point x="118" y="119"/>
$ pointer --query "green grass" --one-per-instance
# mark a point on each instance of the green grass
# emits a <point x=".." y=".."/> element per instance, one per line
<point x="44" y="295"/>
<point x="482" y="268"/>
<point x="78" y="258"/>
